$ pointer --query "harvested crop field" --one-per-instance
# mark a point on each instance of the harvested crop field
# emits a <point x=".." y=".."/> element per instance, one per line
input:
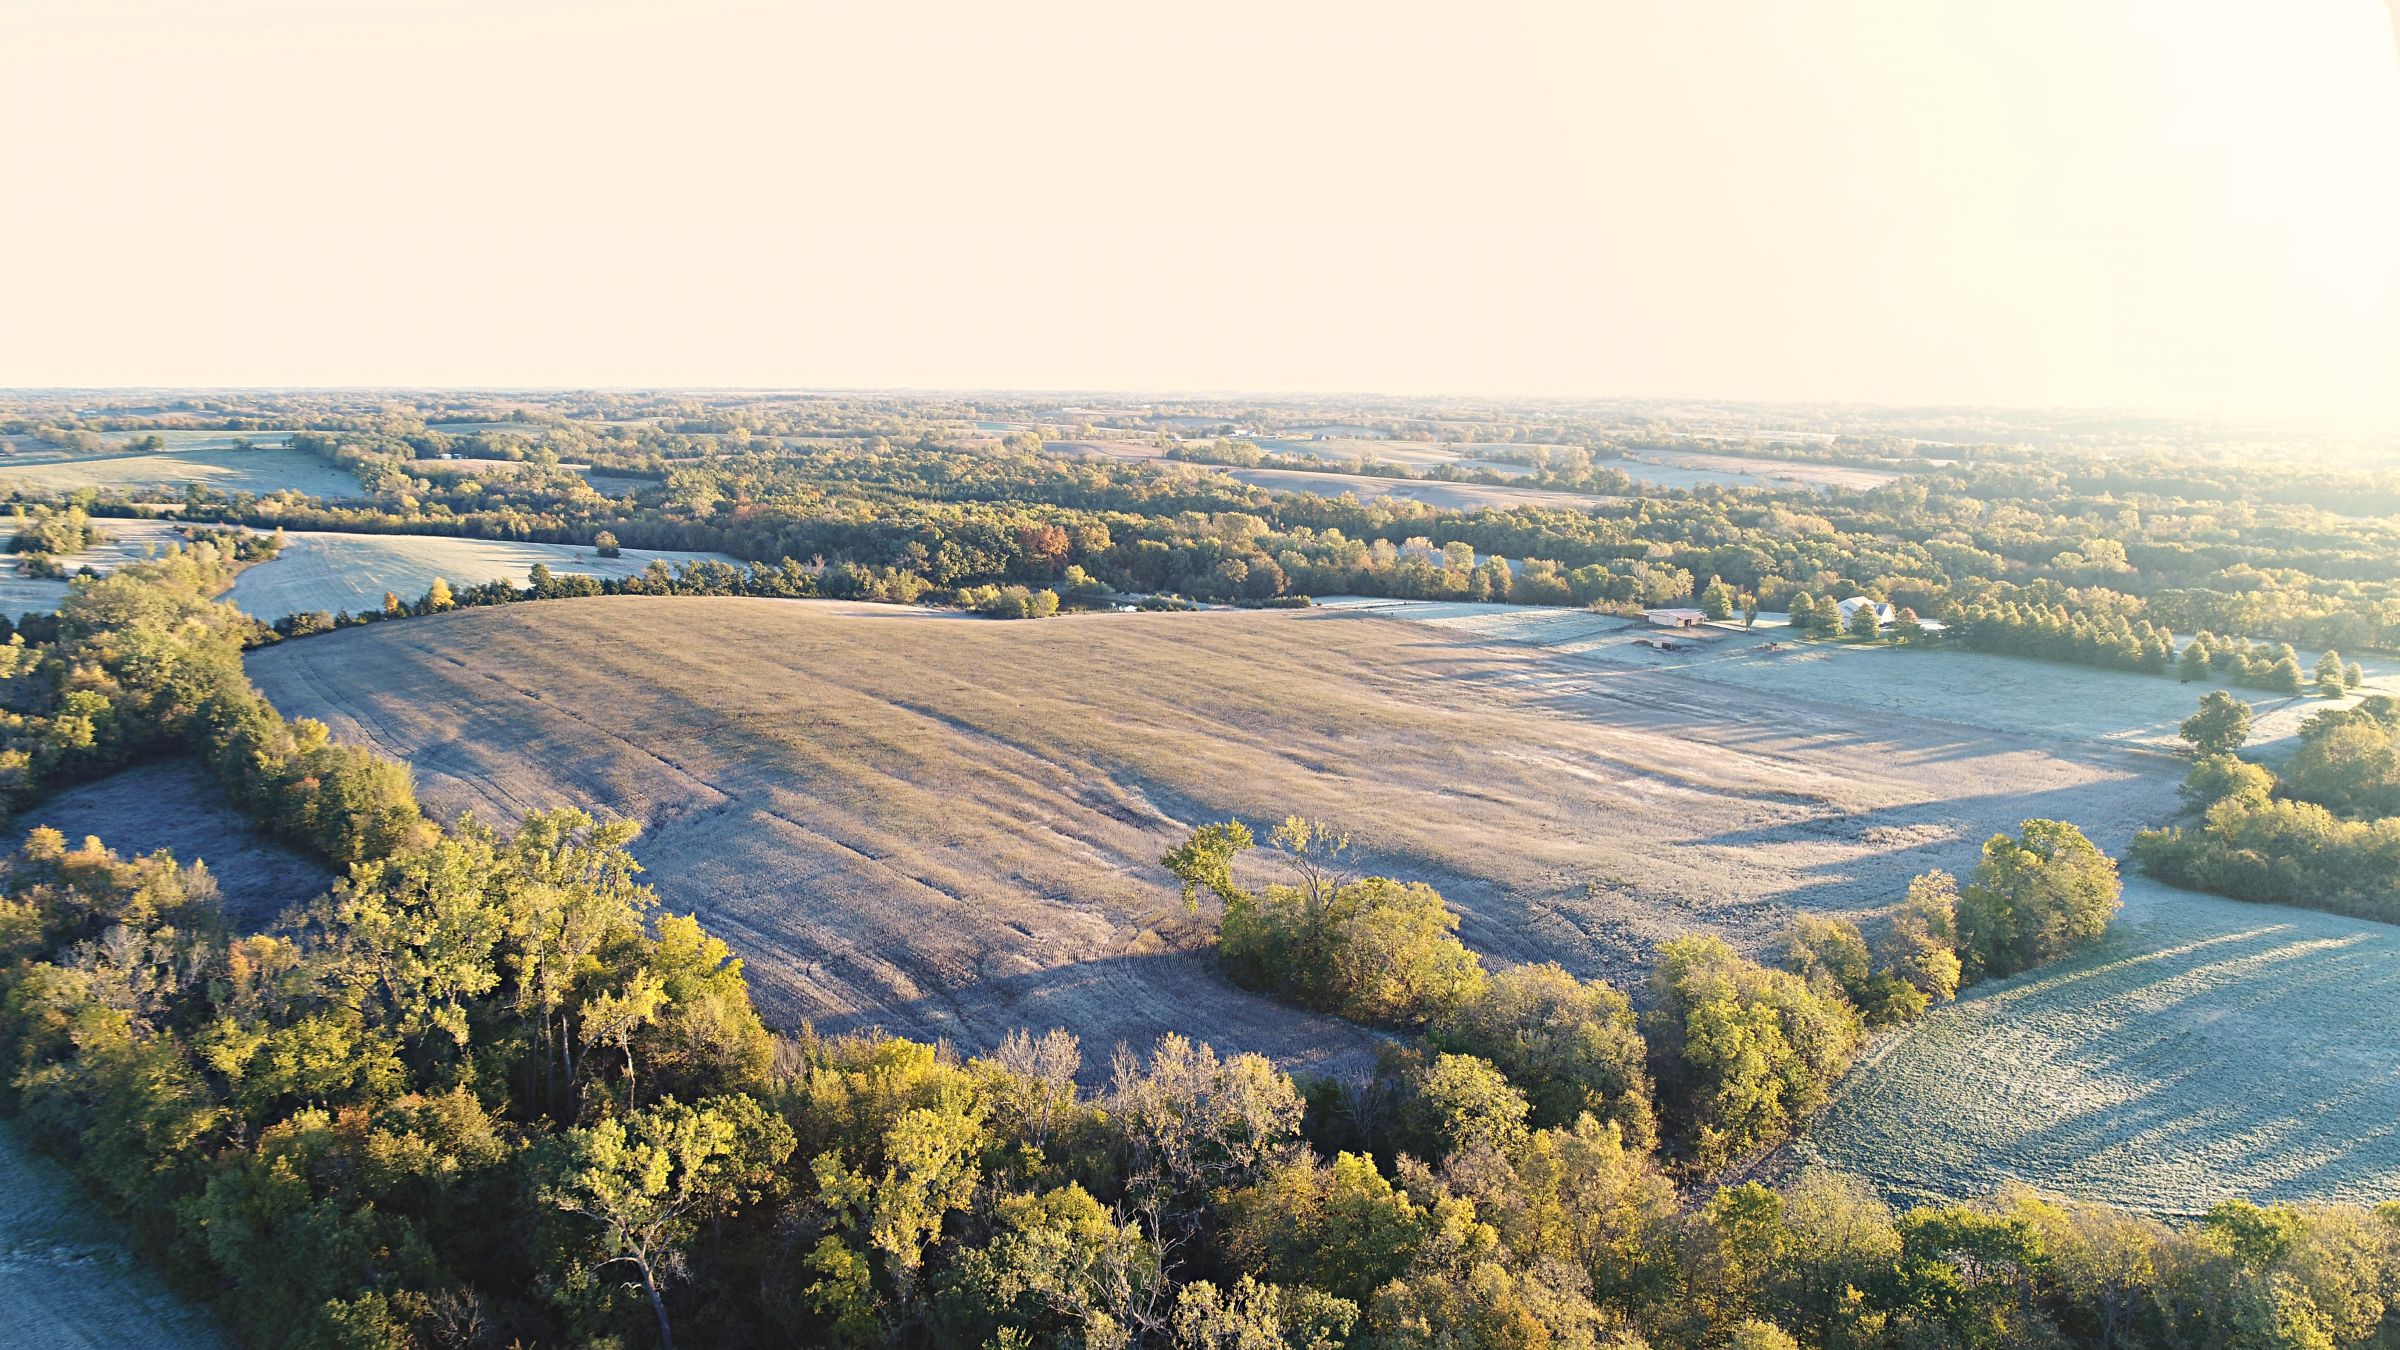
<point x="67" y="1279"/>
<point x="1365" y="487"/>
<point x="927" y="822"/>
<point x="1432" y="492"/>
<point x="2207" y="1050"/>
<point x="330" y="571"/>
<point x="177" y="806"/>
<point x="260" y="471"/>
<point x="1690" y="469"/>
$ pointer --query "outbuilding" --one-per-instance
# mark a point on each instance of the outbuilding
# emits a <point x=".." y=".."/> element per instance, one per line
<point x="1676" y="618"/>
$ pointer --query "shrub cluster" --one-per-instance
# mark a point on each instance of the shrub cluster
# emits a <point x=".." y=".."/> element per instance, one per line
<point x="2325" y="834"/>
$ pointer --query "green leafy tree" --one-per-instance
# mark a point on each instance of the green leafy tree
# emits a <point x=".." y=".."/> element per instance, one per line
<point x="2034" y="898"/>
<point x="2220" y="726"/>
<point x="1741" y="1053"/>
<point x="2283" y="674"/>
<point x="647" y="1181"/>
<point x="1572" y="1046"/>
<point x="887" y="1217"/>
<point x="2332" y="679"/>
<point x="1372" y="949"/>
<point x="1466" y="1103"/>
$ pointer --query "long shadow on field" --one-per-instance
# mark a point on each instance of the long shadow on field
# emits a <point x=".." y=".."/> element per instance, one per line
<point x="1128" y="1001"/>
<point x="1738" y="714"/>
<point x="1881" y="867"/>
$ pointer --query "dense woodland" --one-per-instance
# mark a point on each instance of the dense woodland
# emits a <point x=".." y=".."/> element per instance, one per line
<point x="907" y="499"/>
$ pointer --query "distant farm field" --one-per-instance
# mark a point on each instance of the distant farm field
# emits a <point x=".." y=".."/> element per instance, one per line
<point x="1433" y="492"/>
<point x="950" y="826"/>
<point x="2207" y="1050"/>
<point x="67" y="1281"/>
<point x="1689" y="469"/>
<point x="120" y="542"/>
<point x="167" y="472"/>
<point x="2005" y="694"/>
<point x="331" y="571"/>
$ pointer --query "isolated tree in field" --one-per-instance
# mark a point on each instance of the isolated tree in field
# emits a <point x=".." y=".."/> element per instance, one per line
<point x="1865" y="625"/>
<point x="2221" y="725"/>
<point x="605" y="544"/>
<point x="1717" y="601"/>
<point x="437" y="597"/>
<point x="2194" y="664"/>
<point x="2035" y="898"/>
<point x="1749" y="611"/>
<point x="2332" y="679"/>
<point x="1907" y="627"/>
<point x="1372" y="949"/>
<point x="1204" y="861"/>
<point x="2354" y="675"/>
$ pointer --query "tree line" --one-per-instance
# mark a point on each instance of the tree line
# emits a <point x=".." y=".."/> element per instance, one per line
<point x="1736" y="1054"/>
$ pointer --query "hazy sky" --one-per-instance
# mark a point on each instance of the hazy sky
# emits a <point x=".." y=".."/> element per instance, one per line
<point x="2178" y="203"/>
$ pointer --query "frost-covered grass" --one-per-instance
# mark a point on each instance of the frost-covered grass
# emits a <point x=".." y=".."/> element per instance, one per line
<point x="66" y="1279"/>
<point x="1948" y="685"/>
<point x="120" y="542"/>
<point x="260" y="470"/>
<point x="331" y="570"/>
<point x="2208" y="1049"/>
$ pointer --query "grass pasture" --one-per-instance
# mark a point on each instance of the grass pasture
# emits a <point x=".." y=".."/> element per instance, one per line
<point x="2207" y="1050"/>
<point x="168" y="472"/>
<point x="331" y="570"/>
<point x="67" y="1280"/>
<point x="176" y="805"/>
<point x="195" y="441"/>
<point x="2004" y="694"/>
<point x="911" y="819"/>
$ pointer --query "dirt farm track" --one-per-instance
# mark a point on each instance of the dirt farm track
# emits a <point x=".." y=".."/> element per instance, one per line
<point x="950" y="827"/>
